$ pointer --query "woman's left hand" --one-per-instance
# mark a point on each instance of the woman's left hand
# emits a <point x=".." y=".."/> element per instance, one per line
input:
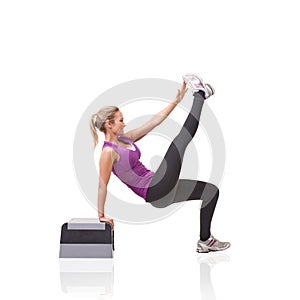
<point x="108" y="220"/>
<point x="181" y="93"/>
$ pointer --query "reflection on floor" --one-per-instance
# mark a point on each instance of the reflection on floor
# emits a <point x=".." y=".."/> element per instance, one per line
<point x="207" y="262"/>
<point x="93" y="277"/>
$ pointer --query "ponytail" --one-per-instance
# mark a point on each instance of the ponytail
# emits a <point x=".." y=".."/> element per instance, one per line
<point x="97" y="122"/>
<point x="93" y="129"/>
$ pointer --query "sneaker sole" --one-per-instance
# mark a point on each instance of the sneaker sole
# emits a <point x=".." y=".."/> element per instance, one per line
<point x="193" y="88"/>
<point x="208" y="89"/>
<point x="211" y="250"/>
<point x="202" y="251"/>
<point x="211" y="89"/>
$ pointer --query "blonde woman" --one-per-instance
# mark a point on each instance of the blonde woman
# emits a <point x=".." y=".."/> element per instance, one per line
<point x="121" y="155"/>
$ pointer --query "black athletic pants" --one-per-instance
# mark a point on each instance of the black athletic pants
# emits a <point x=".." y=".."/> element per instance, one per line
<point x="166" y="187"/>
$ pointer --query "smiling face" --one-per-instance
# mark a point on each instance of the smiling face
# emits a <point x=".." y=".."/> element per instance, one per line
<point x="118" y="125"/>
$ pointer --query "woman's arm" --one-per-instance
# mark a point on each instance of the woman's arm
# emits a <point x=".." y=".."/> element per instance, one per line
<point x="105" y="167"/>
<point x="138" y="133"/>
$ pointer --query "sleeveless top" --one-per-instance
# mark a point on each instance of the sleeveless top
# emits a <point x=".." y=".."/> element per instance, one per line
<point x="129" y="169"/>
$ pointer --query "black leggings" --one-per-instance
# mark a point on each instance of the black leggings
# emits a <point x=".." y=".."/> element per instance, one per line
<point x="166" y="188"/>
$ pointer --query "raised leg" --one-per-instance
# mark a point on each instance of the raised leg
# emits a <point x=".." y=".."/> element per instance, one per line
<point x="167" y="174"/>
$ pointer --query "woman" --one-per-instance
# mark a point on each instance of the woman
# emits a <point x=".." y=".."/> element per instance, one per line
<point x="120" y="155"/>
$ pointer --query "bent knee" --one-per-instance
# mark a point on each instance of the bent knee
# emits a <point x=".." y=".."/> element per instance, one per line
<point x="210" y="191"/>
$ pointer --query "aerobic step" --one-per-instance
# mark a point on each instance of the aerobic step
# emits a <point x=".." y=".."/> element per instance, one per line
<point x="86" y="238"/>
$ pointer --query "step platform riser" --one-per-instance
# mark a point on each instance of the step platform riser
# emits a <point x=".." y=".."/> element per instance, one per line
<point x="85" y="251"/>
<point x="86" y="238"/>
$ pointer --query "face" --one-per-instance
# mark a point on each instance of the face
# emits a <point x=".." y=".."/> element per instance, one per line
<point x="118" y="125"/>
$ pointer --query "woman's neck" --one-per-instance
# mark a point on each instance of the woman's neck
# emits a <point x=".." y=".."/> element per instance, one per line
<point x="112" y="138"/>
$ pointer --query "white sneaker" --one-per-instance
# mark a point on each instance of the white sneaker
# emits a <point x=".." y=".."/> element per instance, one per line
<point x="196" y="84"/>
<point x="212" y="244"/>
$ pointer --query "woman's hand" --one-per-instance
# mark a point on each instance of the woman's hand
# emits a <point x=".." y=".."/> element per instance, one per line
<point x="181" y="93"/>
<point x="107" y="220"/>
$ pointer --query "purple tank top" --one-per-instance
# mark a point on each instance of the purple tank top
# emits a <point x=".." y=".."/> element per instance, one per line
<point x="129" y="169"/>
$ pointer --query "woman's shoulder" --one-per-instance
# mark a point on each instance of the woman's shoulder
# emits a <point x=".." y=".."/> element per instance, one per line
<point x="108" y="148"/>
<point x="107" y="145"/>
<point x="109" y="151"/>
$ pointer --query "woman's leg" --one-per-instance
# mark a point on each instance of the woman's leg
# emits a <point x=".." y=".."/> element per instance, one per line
<point x="197" y="190"/>
<point x="166" y="176"/>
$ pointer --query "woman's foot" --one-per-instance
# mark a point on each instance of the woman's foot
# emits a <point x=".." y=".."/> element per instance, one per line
<point x="196" y="84"/>
<point x="212" y="244"/>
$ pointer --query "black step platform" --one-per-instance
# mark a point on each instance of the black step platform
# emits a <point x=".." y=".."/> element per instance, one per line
<point x="86" y="238"/>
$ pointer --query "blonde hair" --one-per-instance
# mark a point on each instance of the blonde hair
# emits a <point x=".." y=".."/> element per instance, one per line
<point x="98" y="120"/>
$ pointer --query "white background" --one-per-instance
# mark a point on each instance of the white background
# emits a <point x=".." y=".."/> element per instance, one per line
<point x="58" y="56"/>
